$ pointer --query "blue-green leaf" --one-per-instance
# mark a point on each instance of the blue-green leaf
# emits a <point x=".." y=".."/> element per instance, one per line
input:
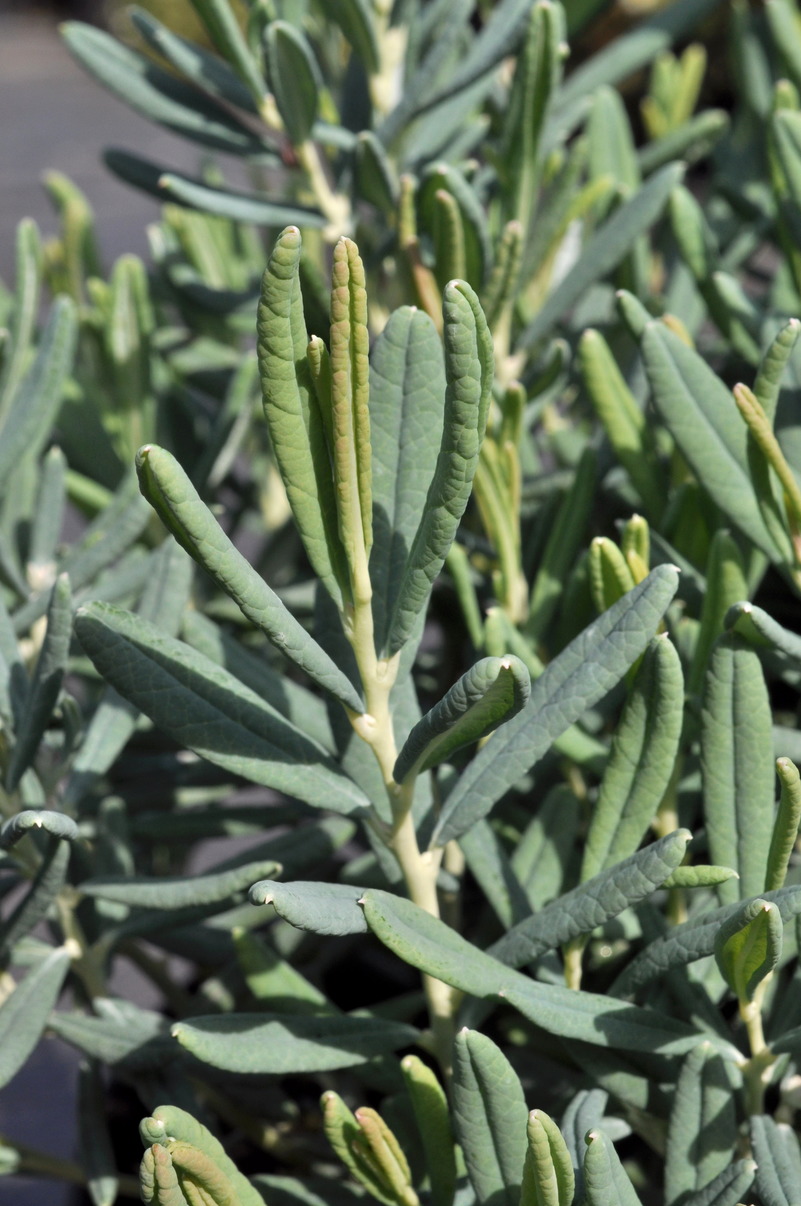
<point x="25" y="1011"/>
<point x="703" y="1104"/>
<point x="320" y="907"/>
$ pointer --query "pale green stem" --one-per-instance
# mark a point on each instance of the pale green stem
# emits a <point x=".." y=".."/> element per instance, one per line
<point x="573" y="954"/>
<point x="86" y="961"/>
<point x="756" y="1070"/>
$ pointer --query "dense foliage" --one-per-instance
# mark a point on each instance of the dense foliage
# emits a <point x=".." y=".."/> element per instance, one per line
<point x="485" y="695"/>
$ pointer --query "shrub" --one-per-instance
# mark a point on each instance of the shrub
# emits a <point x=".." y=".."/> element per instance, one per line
<point x="492" y="652"/>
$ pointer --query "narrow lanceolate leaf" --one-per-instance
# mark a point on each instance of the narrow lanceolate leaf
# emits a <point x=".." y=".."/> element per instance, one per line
<point x="45" y="685"/>
<point x="407" y="388"/>
<point x="206" y="709"/>
<point x="776" y="1151"/>
<point x="29" y="420"/>
<point x="703" y="1104"/>
<point x="761" y="431"/>
<point x="432" y="1115"/>
<point x="350" y="393"/>
<point x="469" y="368"/>
<point x="176" y="892"/>
<point x="623" y="420"/>
<point x="490" y="1115"/>
<point x="702" y="417"/>
<point x="760" y="629"/>
<point x="223" y="202"/>
<point x="168" y="489"/>
<point x="725" y="584"/>
<point x="591" y="904"/>
<point x="296" y="427"/>
<point x="29" y="267"/>
<point x="607" y="247"/>
<point x="428" y="944"/>
<point x="737" y="764"/>
<point x="576" y="680"/>
<point x="279" y="1045"/>
<point x="548" y="1177"/>
<point x="785" y="827"/>
<point x="57" y="824"/>
<point x="158" y="94"/>
<point x="169" y="1124"/>
<point x="641" y="761"/>
<point x="354" y="18"/>
<point x="294" y="78"/>
<point x="767" y="385"/>
<point x="605" y="1179"/>
<point x="728" y="1188"/>
<point x="489" y="694"/>
<point x="24" y="1012"/>
<point x="703" y="875"/>
<point x="319" y="907"/>
<point x="223" y="28"/>
<point x="748" y="946"/>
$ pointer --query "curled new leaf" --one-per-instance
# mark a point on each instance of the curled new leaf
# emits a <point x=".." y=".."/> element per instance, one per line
<point x="490" y="693"/>
<point x="748" y="946"/>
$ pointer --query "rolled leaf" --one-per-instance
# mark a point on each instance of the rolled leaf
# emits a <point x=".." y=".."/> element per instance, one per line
<point x="760" y="629"/>
<point x="34" y="906"/>
<point x="169" y="1123"/>
<point x="55" y="823"/>
<point x="703" y="1104"/>
<point x="296" y="427"/>
<point x="490" y="1115"/>
<point x="548" y="1177"/>
<point x="785" y="827"/>
<point x="176" y="892"/>
<point x="469" y="368"/>
<point x="485" y="697"/>
<point x="728" y="1188"/>
<point x="737" y="765"/>
<point x="432" y="1115"/>
<point x="576" y="680"/>
<point x="748" y="946"/>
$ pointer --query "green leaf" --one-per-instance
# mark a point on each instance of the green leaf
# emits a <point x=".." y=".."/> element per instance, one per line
<point x="702" y="875"/>
<point x="785" y="827"/>
<point x="94" y="1142"/>
<point x="258" y="1043"/>
<point x="120" y="1033"/>
<point x="761" y="630"/>
<point x="623" y="420"/>
<point x="641" y="762"/>
<point x="593" y="902"/>
<point x="693" y="940"/>
<point x="548" y="1177"/>
<point x="176" y="892"/>
<point x="489" y="1116"/>
<point x="605" y="1179"/>
<point x="34" y="906"/>
<point x="604" y="251"/>
<point x="27" y="423"/>
<point x="169" y="490"/>
<point x="444" y="189"/>
<point x="703" y="1104"/>
<point x="776" y="1151"/>
<point x="294" y="78"/>
<point x="271" y="979"/>
<point x="428" y="944"/>
<point x="432" y="1115"/>
<point x="350" y="414"/>
<point x="158" y="94"/>
<point x="24" y="1012"/>
<point x="48" y="517"/>
<point x="206" y="709"/>
<point x="737" y="764"/>
<point x="767" y="385"/>
<point x="702" y="417"/>
<point x="319" y="907"/>
<point x="576" y="680"/>
<point x="45" y="686"/>
<point x="492" y="870"/>
<point x="23" y="325"/>
<point x="728" y="1188"/>
<point x="203" y="68"/>
<point x="469" y="367"/>
<point x="748" y="946"/>
<point x="375" y="179"/>
<point x="158" y="1179"/>
<point x="725" y="583"/>
<point x="223" y="28"/>
<point x="369" y="1151"/>
<point x="169" y="1123"/>
<point x="407" y="388"/>
<point x="57" y="824"/>
<point x="693" y="140"/>
<point x="226" y="202"/>
<point x="488" y="695"/>
<point x="354" y="18"/>
<point x="297" y="429"/>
